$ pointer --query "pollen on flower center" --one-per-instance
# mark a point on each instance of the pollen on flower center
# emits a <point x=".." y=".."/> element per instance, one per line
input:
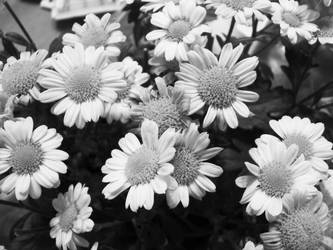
<point x="179" y="29"/>
<point x="26" y="158"/>
<point x="218" y="87"/>
<point x="291" y="18"/>
<point x="186" y="166"/>
<point x="238" y="4"/>
<point x="301" y="230"/>
<point x="19" y="78"/>
<point x="142" y="166"/>
<point x="94" y="37"/>
<point x="67" y="218"/>
<point x="275" y="179"/>
<point x="83" y="84"/>
<point x="304" y="145"/>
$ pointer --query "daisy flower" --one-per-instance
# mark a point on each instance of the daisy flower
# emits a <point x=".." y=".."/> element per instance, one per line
<point x="134" y="77"/>
<point x="32" y="156"/>
<point x="308" y="137"/>
<point x="250" y="246"/>
<point x="295" y="20"/>
<point x="179" y="26"/>
<point x="143" y="168"/>
<point x="302" y="225"/>
<point x="81" y="81"/>
<point x="168" y="109"/>
<point x="276" y="174"/>
<point x="191" y="171"/>
<point x="19" y="76"/>
<point x="215" y="84"/>
<point x="325" y="32"/>
<point x="96" y="32"/>
<point x="72" y="218"/>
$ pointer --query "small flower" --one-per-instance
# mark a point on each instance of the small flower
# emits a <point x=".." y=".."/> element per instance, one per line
<point x="277" y="174"/>
<point x="179" y="27"/>
<point x="191" y="169"/>
<point x="82" y="82"/>
<point x="302" y="225"/>
<point x="295" y="20"/>
<point x="32" y="156"/>
<point x="143" y="168"/>
<point x="215" y="83"/>
<point x="134" y="77"/>
<point x="325" y="32"/>
<point x="19" y="76"/>
<point x="72" y="217"/>
<point x="250" y="246"/>
<point x="308" y="137"/>
<point x="96" y="32"/>
<point x="169" y="109"/>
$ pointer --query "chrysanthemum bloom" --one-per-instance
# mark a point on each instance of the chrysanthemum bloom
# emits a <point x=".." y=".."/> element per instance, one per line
<point x="19" y="76"/>
<point x="242" y="10"/>
<point x="82" y="82"/>
<point x="295" y="20"/>
<point x="250" y="246"/>
<point x="179" y="25"/>
<point x="134" y="77"/>
<point x="301" y="226"/>
<point x="191" y="169"/>
<point x="215" y="84"/>
<point x="32" y="156"/>
<point x="277" y="174"/>
<point x="96" y="32"/>
<point x="325" y="32"/>
<point x="308" y="137"/>
<point x="72" y="217"/>
<point x="169" y="108"/>
<point x="144" y="168"/>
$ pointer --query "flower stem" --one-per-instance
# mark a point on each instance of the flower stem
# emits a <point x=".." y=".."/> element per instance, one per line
<point x="231" y="29"/>
<point x="11" y="11"/>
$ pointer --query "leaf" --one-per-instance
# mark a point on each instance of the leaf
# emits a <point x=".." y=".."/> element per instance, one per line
<point x="17" y="38"/>
<point x="9" y="47"/>
<point x="56" y="45"/>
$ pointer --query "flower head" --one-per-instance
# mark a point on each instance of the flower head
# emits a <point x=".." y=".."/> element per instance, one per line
<point x="295" y="20"/>
<point x="276" y="174"/>
<point x="143" y="168"/>
<point x="19" y="76"/>
<point x="301" y="226"/>
<point x="134" y="77"/>
<point x="72" y="217"/>
<point x="191" y="171"/>
<point x="82" y="82"/>
<point x="216" y="84"/>
<point x="96" y="32"/>
<point x="32" y="156"/>
<point x="179" y="27"/>
<point x="250" y="246"/>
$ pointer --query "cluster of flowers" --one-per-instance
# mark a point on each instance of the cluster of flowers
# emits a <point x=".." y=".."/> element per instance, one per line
<point x="86" y="82"/>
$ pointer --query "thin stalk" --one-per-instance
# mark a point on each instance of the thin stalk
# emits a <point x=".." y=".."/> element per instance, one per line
<point x="231" y="29"/>
<point x="270" y="43"/>
<point x="254" y="33"/>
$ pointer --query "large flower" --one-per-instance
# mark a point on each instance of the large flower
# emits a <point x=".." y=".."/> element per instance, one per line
<point x="72" y="217"/>
<point x="277" y="174"/>
<point x="82" y="81"/>
<point x="302" y="225"/>
<point x="96" y="32"/>
<point x="295" y="20"/>
<point x="191" y="169"/>
<point x="144" y="168"/>
<point x="19" y="76"/>
<point x="134" y="77"/>
<point x="215" y="83"/>
<point x="180" y="25"/>
<point x="32" y="156"/>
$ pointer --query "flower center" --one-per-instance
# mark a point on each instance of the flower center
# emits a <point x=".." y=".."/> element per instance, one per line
<point x="304" y="145"/>
<point x="301" y="230"/>
<point x="275" y="179"/>
<point x="123" y="94"/>
<point x="26" y="158"/>
<point x="96" y="37"/>
<point x="83" y="84"/>
<point x="218" y="87"/>
<point x="165" y="113"/>
<point x="179" y="29"/>
<point x="68" y="217"/>
<point x="186" y="166"/>
<point x="239" y="4"/>
<point x="19" y="78"/>
<point x="142" y="166"/>
<point x="291" y="18"/>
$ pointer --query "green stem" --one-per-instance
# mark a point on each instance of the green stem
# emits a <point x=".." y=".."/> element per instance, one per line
<point x="231" y="29"/>
<point x="270" y="43"/>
